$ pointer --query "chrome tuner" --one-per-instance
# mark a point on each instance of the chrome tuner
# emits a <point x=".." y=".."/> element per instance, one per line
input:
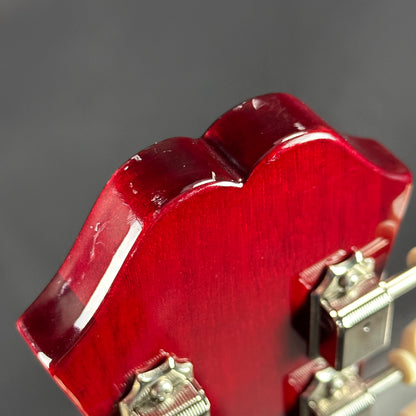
<point x="357" y="309"/>
<point x="169" y="389"/>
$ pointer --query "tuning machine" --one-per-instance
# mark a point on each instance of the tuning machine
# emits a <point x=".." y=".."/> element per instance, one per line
<point x="169" y="389"/>
<point x="351" y="319"/>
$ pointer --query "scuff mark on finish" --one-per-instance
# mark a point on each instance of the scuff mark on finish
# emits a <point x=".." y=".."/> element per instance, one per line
<point x="159" y="200"/>
<point x="98" y="230"/>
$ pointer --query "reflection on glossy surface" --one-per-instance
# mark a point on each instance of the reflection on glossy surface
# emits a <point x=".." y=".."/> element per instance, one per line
<point x="108" y="278"/>
<point x="196" y="247"/>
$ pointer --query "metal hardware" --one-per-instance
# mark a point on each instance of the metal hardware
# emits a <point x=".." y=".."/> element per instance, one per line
<point x="167" y="390"/>
<point x="336" y="393"/>
<point x="353" y="306"/>
<point x="384" y="381"/>
<point x="345" y="393"/>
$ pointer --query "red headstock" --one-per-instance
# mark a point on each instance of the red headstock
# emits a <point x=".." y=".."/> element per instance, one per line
<point x="203" y="249"/>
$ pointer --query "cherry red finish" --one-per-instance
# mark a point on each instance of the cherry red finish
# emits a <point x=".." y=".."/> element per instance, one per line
<point x="208" y="249"/>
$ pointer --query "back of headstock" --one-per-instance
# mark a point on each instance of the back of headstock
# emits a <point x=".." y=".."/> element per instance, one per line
<point x="210" y="250"/>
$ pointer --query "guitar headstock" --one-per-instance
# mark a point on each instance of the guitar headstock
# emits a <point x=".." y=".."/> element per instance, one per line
<point x="213" y="251"/>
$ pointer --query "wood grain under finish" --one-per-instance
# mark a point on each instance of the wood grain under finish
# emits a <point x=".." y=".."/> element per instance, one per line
<point x="198" y="247"/>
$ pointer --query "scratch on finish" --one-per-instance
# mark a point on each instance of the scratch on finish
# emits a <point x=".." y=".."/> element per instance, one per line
<point x="108" y="278"/>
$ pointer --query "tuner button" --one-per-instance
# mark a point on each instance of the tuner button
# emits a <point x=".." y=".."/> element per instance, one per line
<point x="406" y="363"/>
<point x="411" y="257"/>
<point x="409" y="410"/>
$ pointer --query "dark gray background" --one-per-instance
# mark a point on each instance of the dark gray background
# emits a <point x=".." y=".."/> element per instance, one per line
<point x="84" y="85"/>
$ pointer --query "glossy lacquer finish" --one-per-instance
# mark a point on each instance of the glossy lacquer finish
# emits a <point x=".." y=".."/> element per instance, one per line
<point x="207" y="249"/>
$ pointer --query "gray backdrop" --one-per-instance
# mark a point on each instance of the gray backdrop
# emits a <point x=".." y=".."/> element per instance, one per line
<point x="84" y="85"/>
